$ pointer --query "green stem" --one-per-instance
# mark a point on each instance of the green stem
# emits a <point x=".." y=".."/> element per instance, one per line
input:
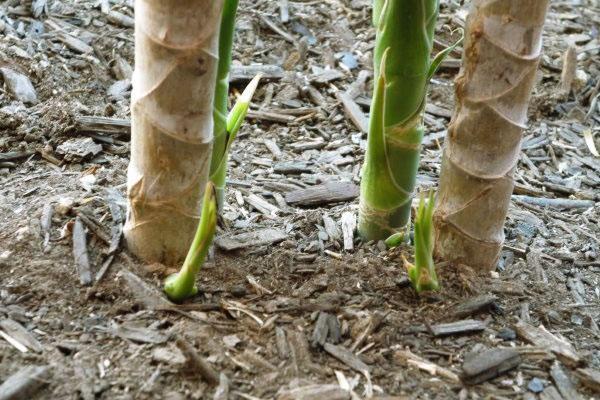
<point x="218" y="169"/>
<point x="402" y="56"/>
<point x="180" y="286"/>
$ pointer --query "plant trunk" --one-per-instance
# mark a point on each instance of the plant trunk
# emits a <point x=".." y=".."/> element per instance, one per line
<point x="405" y="34"/>
<point x="176" y="43"/>
<point x="501" y="53"/>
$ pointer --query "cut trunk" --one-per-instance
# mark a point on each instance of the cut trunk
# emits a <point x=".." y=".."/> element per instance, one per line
<point x="176" y="47"/>
<point x="405" y="34"/>
<point x="501" y="53"/>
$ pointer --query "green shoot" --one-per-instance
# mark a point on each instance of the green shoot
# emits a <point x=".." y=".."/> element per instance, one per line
<point x="182" y="285"/>
<point x="235" y="118"/>
<point x="422" y="274"/>
<point x="395" y="240"/>
<point x="226" y="34"/>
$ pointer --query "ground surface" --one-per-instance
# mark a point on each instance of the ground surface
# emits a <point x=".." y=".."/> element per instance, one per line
<point x="259" y="306"/>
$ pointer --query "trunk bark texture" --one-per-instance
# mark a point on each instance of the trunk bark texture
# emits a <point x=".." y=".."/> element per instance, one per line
<point x="176" y="47"/>
<point x="501" y="53"/>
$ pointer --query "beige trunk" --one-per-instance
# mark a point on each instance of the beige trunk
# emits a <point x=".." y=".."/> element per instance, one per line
<point x="502" y="50"/>
<point x="176" y="47"/>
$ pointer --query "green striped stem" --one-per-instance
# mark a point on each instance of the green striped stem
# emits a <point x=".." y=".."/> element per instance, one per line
<point x="218" y="169"/>
<point x="401" y="59"/>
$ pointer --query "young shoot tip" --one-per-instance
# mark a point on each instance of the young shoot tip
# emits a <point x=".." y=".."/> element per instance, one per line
<point x="422" y="274"/>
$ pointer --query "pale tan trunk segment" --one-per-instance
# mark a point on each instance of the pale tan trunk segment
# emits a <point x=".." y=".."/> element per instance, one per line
<point x="176" y="55"/>
<point x="502" y="50"/>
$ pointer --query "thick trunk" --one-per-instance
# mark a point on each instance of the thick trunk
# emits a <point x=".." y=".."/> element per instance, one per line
<point x="405" y="35"/>
<point x="176" y="47"/>
<point x="502" y="49"/>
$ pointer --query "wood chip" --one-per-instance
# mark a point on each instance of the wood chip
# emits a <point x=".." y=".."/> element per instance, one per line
<point x="489" y="364"/>
<point x="474" y="305"/>
<point x="458" y="327"/>
<point x="292" y="167"/>
<point x="281" y="343"/>
<point x="16" y="331"/>
<point x="569" y="68"/>
<point x="137" y="334"/>
<point x="321" y="330"/>
<point x="196" y="362"/>
<point x="25" y="383"/>
<point x="409" y="358"/>
<point x="259" y="237"/>
<point x="348" y="222"/>
<point x="315" y="392"/>
<point x="563" y="382"/>
<point x="80" y="253"/>
<point x="329" y="192"/>
<point x="244" y="73"/>
<point x="550" y="393"/>
<point x="325" y="76"/>
<point x="347" y="357"/>
<point x="561" y="204"/>
<point x="146" y="295"/>
<point x="354" y="112"/>
<point x="331" y="228"/>
<point x="590" y="378"/>
<point x="542" y="338"/>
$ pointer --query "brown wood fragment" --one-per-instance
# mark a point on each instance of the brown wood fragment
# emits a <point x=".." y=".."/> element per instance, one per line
<point x="146" y="295"/>
<point x="137" y="334"/>
<point x="281" y="342"/>
<point x="271" y="116"/>
<point x="347" y="357"/>
<point x="409" y="358"/>
<point x="292" y="167"/>
<point x="196" y="362"/>
<point x="25" y="383"/>
<point x="489" y="364"/>
<point x="16" y="331"/>
<point x="569" y="68"/>
<point x="46" y="223"/>
<point x="542" y="338"/>
<point x="353" y="112"/>
<point x="561" y="204"/>
<point x="325" y="76"/>
<point x="550" y="393"/>
<point x="474" y="305"/>
<point x="590" y="378"/>
<point x="259" y="237"/>
<point x="563" y="382"/>
<point x="457" y="328"/>
<point x="112" y="126"/>
<point x="321" y="330"/>
<point x="243" y="73"/>
<point x="80" y="253"/>
<point x="299" y="350"/>
<point x="315" y="392"/>
<point x="329" y="192"/>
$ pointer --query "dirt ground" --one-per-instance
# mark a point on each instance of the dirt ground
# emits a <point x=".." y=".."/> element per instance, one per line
<point x="306" y="316"/>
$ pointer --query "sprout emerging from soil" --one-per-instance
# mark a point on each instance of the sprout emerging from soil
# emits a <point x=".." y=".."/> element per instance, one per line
<point x="182" y="285"/>
<point x="422" y="274"/>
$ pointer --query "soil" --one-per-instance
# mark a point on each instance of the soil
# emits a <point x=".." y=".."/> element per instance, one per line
<point x="255" y="318"/>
